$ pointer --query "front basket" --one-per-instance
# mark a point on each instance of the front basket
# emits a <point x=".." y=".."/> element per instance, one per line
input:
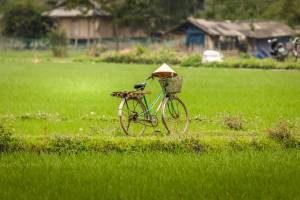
<point x="171" y="85"/>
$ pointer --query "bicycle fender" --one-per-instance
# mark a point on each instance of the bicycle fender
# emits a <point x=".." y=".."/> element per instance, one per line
<point x="120" y="108"/>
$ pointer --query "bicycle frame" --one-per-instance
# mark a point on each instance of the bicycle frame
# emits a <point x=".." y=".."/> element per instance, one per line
<point x="150" y="108"/>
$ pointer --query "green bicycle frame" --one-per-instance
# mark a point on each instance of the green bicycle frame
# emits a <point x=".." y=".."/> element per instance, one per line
<point x="150" y="108"/>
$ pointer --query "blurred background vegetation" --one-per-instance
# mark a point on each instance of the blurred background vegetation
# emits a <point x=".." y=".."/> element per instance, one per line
<point x="153" y="15"/>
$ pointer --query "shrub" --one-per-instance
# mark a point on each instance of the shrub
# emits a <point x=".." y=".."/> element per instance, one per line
<point x="234" y="122"/>
<point x="96" y="50"/>
<point x="245" y="56"/>
<point x="141" y="55"/>
<point x="58" y="42"/>
<point x="281" y="132"/>
<point x="93" y="51"/>
<point x="67" y="144"/>
<point x="192" y="61"/>
<point x="165" y="55"/>
<point x="5" y="137"/>
<point x="140" y="49"/>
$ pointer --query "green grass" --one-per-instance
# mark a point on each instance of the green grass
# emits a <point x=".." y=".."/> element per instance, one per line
<point x="244" y="175"/>
<point x="41" y="95"/>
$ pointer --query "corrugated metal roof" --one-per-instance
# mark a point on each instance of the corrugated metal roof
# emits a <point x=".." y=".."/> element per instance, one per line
<point x="257" y="29"/>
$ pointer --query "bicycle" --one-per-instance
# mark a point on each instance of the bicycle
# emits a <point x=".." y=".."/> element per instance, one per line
<point x="136" y="114"/>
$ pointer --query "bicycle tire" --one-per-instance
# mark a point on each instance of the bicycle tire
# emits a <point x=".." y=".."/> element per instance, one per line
<point x="171" y="108"/>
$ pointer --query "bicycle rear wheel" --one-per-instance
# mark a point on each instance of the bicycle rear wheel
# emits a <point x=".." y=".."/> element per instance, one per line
<point x="175" y="115"/>
<point x="133" y="117"/>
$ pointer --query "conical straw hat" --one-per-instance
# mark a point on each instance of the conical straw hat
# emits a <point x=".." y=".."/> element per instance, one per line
<point x="164" y="71"/>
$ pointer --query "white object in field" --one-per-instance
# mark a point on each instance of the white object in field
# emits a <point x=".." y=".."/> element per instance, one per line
<point x="212" y="56"/>
<point x="164" y="71"/>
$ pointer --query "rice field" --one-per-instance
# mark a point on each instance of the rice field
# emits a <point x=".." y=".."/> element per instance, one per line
<point x="41" y="95"/>
<point x="225" y="175"/>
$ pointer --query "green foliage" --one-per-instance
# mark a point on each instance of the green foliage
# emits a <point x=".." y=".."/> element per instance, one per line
<point x="287" y="10"/>
<point x="152" y="15"/>
<point x="74" y="3"/>
<point x="166" y="55"/>
<point x="24" y="20"/>
<point x="78" y="144"/>
<point x="96" y="50"/>
<point x="58" y="42"/>
<point x="8" y="4"/>
<point x="253" y="63"/>
<point x="245" y="56"/>
<point x="142" y="55"/>
<point x="140" y="49"/>
<point x="283" y="10"/>
<point x="5" y="137"/>
<point x="192" y="61"/>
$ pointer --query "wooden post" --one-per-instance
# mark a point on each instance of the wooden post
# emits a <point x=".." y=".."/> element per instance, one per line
<point x="76" y="42"/>
<point x="116" y="37"/>
<point x="89" y="33"/>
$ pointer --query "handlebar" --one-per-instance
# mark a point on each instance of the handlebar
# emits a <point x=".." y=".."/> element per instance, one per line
<point x="150" y="77"/>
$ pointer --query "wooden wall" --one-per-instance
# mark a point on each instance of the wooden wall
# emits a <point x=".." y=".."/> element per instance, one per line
<point x="94" y="28"/>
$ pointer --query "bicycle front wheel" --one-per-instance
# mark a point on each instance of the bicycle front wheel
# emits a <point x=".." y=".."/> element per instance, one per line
<point x="175" y="115"/>
<point x="133" y="117"/>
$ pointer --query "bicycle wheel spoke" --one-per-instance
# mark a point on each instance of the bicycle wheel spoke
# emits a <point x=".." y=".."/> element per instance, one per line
<point x="177" y="109"/>
<point x="135" y="104"/>
<point x="128" y="109"/>
<point x="128" y="125"/>
<point x="175" y="115"/>
<point x="131" y="117"/>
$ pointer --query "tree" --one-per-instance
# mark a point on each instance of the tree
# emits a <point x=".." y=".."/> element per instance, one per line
<point x="149" y="15"/>
<point x="286" y="10"/>
<point x="25" y="21"/>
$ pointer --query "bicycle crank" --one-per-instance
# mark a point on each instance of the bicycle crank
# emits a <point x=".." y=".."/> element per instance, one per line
<point x="154" y="120"/>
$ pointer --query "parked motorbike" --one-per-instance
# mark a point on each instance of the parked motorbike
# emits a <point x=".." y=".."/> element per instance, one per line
<point x="278" y="50"/>
<point x="295" y="49"/>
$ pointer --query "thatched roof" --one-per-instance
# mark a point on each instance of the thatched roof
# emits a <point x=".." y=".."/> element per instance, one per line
<point x="257" y="29"/>
<point x="62" y="11"/>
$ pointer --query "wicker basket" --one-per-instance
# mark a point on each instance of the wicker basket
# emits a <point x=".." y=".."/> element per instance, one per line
<point x="171" y="85"/>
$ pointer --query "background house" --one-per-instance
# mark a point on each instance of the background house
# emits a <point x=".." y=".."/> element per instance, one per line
<point x="297" y="29"/>
<point x="86" y="25"/>
<point x="227" y="35"/>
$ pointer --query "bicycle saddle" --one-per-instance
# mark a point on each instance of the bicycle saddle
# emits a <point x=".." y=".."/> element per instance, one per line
<point x="140" y="86"/>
